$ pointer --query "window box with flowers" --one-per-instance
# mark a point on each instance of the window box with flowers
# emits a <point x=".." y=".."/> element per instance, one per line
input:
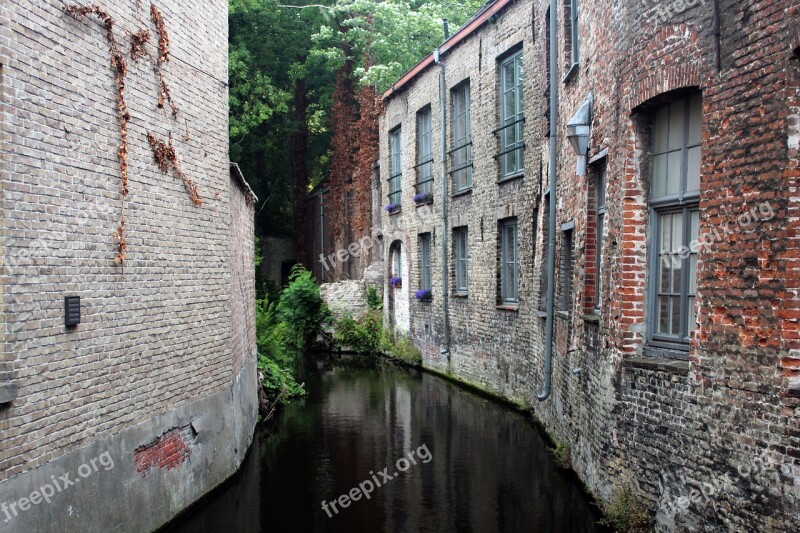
<point x="396" y="282"/>
<point x="392" y="208"/>
<point x="424" y="295"/>
<point x="423" y="198"/>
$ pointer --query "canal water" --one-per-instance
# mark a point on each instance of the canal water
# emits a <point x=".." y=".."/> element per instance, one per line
<point x="457" y="462"/>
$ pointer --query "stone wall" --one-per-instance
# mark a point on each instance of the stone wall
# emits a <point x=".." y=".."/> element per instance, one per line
<point x="155" y="347"/>
<point x="709" y="443"/>
<point x="345" y="298"/>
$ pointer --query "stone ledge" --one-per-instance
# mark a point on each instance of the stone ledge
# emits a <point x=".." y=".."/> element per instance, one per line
<point x="674" y="366"/>
<point x="8" y="392"/>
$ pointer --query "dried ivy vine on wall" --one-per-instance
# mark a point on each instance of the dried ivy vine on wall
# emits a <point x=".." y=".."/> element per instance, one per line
<point x="164" y="153"/>
<point x="120" y="71"/>
<point x="167" y="159"/>
<point x="163" y="57"/>
<point x="138" y="42"/>
<point x="368" y="143"/>
<point x="343" y="113"/>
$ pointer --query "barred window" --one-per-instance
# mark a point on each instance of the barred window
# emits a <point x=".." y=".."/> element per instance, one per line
<point x="511" y="116"/>
<point x="395" y="168"/>
<point x="424" y="152"/>
<point x="462" y="139"/>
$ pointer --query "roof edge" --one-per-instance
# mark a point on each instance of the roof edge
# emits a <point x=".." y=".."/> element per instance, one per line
<point x="236" y="171"/>
<point x="465" y="31"/>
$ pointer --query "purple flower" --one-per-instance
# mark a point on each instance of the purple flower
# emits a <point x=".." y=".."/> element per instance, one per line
<point x="391" y="207"/>
<point x="423" y="197"/>
<point x="396" y="281"/>
<point x="423" y="294"/>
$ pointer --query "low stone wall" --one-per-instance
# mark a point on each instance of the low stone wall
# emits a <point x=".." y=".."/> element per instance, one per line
<point x="345" y="297"/>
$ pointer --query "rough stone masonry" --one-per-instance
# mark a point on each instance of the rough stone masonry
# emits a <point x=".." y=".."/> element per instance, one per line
<point x="702" y="429"/>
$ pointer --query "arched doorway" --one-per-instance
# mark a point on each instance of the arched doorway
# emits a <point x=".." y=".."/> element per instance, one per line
<point x="398" y="300"/>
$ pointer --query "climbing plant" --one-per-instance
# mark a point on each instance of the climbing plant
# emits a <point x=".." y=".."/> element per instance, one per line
<point x="164" y="153"/>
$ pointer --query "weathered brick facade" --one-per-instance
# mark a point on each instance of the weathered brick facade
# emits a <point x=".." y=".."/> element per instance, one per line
<point x="166" y="342"/>
<point x="706" y="436"/>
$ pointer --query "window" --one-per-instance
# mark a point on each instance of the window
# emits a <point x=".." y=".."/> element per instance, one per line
<point x="425" y="261"/>
<point x="572" y="21"/>
<point x="509" y="262"/>
<point x="511" y="116"/>
<point x="462" y="139"/>
<point x="565" y="272"/>
<point x="397" y="262"/>
<point x="395" y="169"/>
<point x="600" y="203"/>
<point x="462" y="259"/>
<point x="674" y="203"/>
<point x="424" y="152"/>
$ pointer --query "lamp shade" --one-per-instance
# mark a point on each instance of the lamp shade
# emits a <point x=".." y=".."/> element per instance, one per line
<point x="579" y="127"/>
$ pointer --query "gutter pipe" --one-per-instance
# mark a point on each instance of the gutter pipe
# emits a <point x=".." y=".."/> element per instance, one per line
<point x="551" y="232"/>
<point x="445" y="349"/>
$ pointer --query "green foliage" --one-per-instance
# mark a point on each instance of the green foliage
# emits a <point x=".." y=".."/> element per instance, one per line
<point x="562" y="455"/>
<point x="277" y="379"/>
<point x="385" y="37"/>
<point x="374" y="301"/>
<point x="400" y="348"/>
<point x="362" y="336"/>
<point x="257" y="253"/>
<point x="284" y="329"/>
<point x="625" y="514"/>
<point x="283" y="64"/>
<point x="301" y="309"/>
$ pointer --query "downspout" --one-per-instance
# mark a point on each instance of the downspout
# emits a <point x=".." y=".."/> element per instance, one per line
<point x="551" y="224"/>
<point x="718" y="35"/>
<point x="445" y="349"/>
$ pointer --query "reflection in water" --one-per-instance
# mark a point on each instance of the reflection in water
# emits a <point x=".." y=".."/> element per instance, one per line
<point x="490" y="470"/>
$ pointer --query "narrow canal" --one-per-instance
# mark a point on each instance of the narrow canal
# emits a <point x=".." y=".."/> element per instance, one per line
<point x="470" y="464"/>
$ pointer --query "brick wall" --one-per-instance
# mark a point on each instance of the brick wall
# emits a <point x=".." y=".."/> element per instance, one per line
<point x="156" y="336"/>
<point x="709" y="443"/>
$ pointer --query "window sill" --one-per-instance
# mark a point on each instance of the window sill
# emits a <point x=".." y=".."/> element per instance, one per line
<point x="508" y="307"/>
<point x="593" y="318"/>
<point x="460" y="296"/>
<point x="658" y="364"/>
<point x="541" y="314"/>
<point x="8" y="392"/>
<point x="420" y="204"/>
<point x="464" y="192"/>
<point x="562" y="314"/>
<point x="512" y="177"/>
<point x="395" y="212"/>
<point x="571" y="73"/>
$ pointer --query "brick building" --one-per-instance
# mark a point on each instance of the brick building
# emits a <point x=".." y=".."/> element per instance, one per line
<point x="670" y="297"/>
<point x="120" y="421"/>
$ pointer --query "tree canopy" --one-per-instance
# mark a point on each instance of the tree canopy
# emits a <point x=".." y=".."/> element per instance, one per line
<point x="285" y="58"/>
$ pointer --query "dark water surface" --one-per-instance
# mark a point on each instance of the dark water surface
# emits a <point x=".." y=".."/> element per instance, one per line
<point x="488" y="468"/>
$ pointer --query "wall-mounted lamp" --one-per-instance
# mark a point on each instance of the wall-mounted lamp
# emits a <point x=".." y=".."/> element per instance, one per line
<point x="578" y="130"/>
<point x="72" y="311"/>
